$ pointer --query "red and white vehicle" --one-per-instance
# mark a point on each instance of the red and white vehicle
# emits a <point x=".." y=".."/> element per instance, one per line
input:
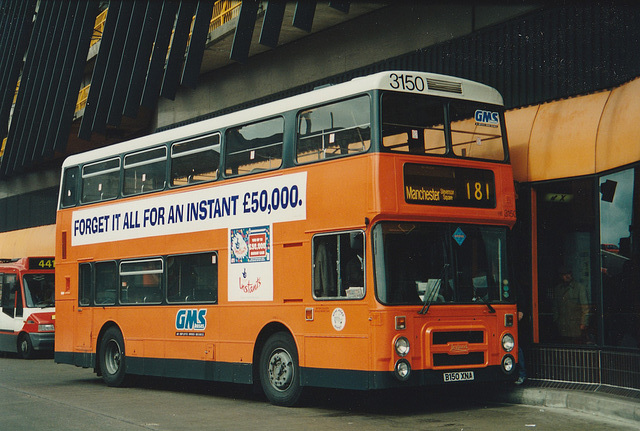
<point x="28" y="308"/>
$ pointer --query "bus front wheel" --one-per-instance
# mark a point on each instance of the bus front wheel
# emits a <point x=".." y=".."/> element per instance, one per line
<point x="25" y="347"/>
<point x="112" y="357"/>
<point x="279" y="370"/>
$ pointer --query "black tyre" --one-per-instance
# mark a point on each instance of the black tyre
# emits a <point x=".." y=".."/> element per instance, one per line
<point x="112" y="357"/>
<point x="279" y="370"/>
<point x="25" y="347"/>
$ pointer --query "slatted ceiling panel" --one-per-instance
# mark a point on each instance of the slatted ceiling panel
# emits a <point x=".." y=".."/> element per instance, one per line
<point x="303" y="15"/>
<point x="244" y="31"/>
<point x="50" y="99"/>
<point x="113" y="50"/>
<point x="133" y="98"/>
<point x="342" y="6"/>
<point x="193" y="61"/>
<point x="26" y="101"/>
<point x="15" y="27"/>
<point x="99" y="72"/>
<point x="155" y="70"/>
<point x="132" y="32"/>
<point x="272" y="23"/>
<point x="175" y="60"/>
<point x="75" y="58"/>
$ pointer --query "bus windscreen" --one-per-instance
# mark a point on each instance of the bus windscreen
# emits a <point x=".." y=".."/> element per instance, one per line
<point x="449" y="263"/>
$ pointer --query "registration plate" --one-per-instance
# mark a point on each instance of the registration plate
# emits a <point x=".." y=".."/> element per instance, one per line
<point x="459" y="376"/>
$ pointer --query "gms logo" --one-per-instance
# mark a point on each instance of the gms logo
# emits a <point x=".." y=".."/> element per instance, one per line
<point x="487" y="118"/>
<point x="191" y="320"/>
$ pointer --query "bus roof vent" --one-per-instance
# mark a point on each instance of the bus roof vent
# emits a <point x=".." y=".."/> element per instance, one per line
<point x="442" y="85"/>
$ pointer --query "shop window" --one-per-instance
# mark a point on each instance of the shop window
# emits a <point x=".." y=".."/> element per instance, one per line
<point x="566" y="237"/>
<point x="620" y="272"/>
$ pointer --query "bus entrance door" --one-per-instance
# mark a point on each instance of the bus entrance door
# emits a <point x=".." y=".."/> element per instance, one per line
<point x="11" y="317"/>
<point x="82" y="339"/>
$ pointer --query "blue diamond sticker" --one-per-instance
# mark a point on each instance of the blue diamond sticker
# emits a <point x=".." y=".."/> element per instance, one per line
<point x="459" y="236"/>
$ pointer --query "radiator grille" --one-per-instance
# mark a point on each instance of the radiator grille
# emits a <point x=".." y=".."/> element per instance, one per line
<point x="471" y="337"/>
<point x="444" y="360"/>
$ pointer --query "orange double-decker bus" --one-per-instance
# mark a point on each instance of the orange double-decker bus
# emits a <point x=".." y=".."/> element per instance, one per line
<point x="351" y="237"/>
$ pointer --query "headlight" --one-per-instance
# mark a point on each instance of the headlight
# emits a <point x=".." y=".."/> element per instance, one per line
<point x="508" y="342"/>
<point x="402" y="346"/>
<point x="508" y="364"/>
<point x="402" y="369"/>
<point x="46" y="328"/>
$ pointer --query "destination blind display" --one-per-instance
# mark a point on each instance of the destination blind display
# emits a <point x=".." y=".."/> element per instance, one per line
<point x="41" y="263"/>
<point x="449" y="186"/>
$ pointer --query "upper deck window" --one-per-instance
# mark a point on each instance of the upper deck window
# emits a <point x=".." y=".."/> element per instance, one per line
<point x="427" y="125"/>
<point x="254" y="147"/>
<point x="413" y="124"/>
<point x="101" y="180"/>
<point x="195" y="160"/>
<point x="338" y="129"/>
<point x="144" y="171"/>
<point x="476" y="131"/>
<point x="70" y="186"/>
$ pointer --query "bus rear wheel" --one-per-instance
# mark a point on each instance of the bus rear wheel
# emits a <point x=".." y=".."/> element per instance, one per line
<point x="25" y="347"/>
<point x="280" y="371"/>
<point x="112" y="357"/>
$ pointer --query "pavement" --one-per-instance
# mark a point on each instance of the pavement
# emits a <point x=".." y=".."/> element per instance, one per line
<point x="588" y="402"/>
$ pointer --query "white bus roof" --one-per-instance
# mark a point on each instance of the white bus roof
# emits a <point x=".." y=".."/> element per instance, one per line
<point x="394" y="80"/>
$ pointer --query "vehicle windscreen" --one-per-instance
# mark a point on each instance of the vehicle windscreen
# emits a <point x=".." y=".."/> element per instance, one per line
<point x="440" y="263"/>
<point x="39" y="290"/>
<point x="427" y="125"/>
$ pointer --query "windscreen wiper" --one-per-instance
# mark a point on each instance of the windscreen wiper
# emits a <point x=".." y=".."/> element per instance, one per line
<point x="428" y="298"/>
<point x="481" y="299"/>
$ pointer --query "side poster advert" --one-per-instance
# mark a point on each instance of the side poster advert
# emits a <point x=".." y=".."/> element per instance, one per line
<point x="250" y="264"/>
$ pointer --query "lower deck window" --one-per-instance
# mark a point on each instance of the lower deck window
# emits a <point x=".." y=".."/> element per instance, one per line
<point x="192" y="278"/>
<point x="189" y="278"/>
<point x="338" y="266"/>
<point x="106" y="281"/>
<point x="141" y="282"/>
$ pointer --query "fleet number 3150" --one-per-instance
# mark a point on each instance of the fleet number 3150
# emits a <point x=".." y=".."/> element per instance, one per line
<point x="406" y="82"/>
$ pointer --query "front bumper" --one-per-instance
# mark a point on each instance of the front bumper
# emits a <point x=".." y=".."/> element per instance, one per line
<point x="42" y="340"/>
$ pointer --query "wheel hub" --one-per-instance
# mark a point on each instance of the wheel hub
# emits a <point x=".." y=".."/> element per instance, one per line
<point x="281" y="371"/>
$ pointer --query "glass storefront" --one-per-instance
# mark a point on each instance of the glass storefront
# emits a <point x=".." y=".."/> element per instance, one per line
<point x="620" y="273"/>
<point x="588" y="243"/>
